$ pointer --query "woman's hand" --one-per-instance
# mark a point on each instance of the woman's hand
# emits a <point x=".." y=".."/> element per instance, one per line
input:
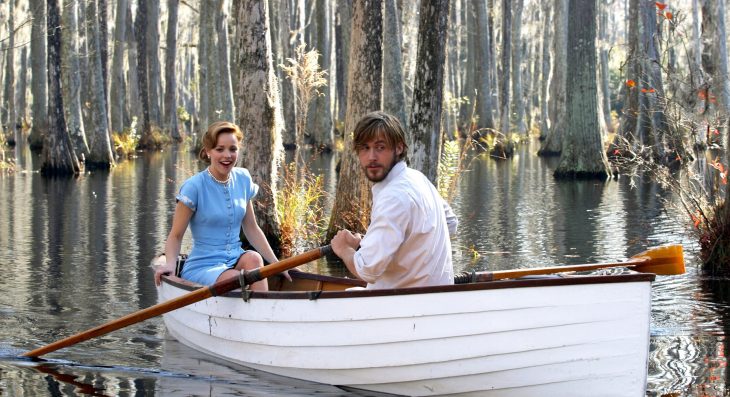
<point x="162" y="268"/>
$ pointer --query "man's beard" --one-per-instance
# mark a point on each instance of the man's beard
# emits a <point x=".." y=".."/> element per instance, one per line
<point x="385" y="170"/>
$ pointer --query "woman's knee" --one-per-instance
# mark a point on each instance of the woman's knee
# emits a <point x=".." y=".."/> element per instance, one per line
<point x="250" y="260"/>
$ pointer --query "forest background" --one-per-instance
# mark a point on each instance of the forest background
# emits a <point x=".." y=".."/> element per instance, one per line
<point x="610" y="86"/>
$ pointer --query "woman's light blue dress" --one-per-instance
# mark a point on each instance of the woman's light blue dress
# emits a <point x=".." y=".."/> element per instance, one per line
<point x="218" y="210"/>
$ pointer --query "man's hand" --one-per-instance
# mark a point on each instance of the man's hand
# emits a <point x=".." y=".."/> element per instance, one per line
<point x="344" y="241"/>
<point x="344" y="244"/>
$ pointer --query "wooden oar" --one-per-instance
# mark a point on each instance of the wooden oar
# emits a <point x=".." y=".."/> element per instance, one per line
<point x="198" y="295"/>
<point x="665" y="260"/>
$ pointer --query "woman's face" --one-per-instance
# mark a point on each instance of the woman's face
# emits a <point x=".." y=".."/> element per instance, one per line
<point x="224" y="155"/>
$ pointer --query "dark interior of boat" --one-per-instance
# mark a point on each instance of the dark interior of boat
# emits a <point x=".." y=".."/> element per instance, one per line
<point x="314" y="286"/>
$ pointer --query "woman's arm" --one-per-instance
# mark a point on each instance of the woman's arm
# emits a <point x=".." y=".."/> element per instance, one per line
<point x="256" y="236"/>
<point x="180" y="221"/>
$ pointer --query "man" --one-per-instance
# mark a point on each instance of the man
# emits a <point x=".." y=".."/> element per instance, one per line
<point x="407" y="242"/>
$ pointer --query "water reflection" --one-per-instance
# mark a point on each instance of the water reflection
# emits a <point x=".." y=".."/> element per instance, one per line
<point x="215" y="377"/>
<point x="57" y="379"/>
<point x="75" y="253"/>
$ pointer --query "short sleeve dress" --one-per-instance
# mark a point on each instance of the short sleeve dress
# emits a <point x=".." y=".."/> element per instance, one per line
<point x="218" y="211"/>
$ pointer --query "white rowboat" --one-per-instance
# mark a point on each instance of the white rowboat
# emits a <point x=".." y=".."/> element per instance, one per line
<point x="585" y="335"/>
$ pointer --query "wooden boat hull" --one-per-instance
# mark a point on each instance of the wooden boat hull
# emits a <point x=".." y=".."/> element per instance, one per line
<point x="555" y="336"/>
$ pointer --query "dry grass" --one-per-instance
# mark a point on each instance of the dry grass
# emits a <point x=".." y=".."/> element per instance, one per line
<point x="299" y="210"/>
<point x="7" y="166"/>
<point x="700" y="195"/>
<point x="304" y="71"/>
<point x="125" y="142"/>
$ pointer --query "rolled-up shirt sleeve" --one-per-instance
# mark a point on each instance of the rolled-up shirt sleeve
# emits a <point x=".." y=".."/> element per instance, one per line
<point x="451" y="220"/>
<point x="385" y="234"/>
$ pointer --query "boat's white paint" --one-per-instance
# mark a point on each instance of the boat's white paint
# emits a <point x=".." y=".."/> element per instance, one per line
<point x="565" y="340"/>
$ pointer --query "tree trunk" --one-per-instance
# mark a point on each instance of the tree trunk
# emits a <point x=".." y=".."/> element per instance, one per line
<point x="517" y="88"/>
<point x="532" y="77"/>
<point x="152" y="46"/>
<point x="630" y="112"/>
<point x="170" y="76"/>
<point x="322" y="127"/>
<point x="464" y="72"/>
<point x="118" y="88"/>
<point x="553" y="143"/>
<point x="214" y="84"/>
<point x="545" y="71"/>
<point x="22" y="91"/>
<point x="103" y="18"/>
<point x="428" y="94"/>
<point x="583" y="155"/>
<point x="504" y="149"/>
<point x="8" y="119"/>
<point x="205" y="30"/>
<point x="604" y="70"/>
<point x="453" y="71"/>
<point x="58" y="157"/>
<point x="84" y="32"/>
<point x="287" y="41"/>
<point x="697" y="78"/>
<point x="653" y="85"/>
<point x="134" y="104"/>
<point x="101" y="155"/>
<point x="468" y="69"/>
<point x="485" y="104"/>
<point x="714" y="56"/>
<point x="71" y="77"/>
<point x="39" y="82"/>
<point x="393" y="91"/>
<point x="140" y="30"/>
<point x="223" y="62"/>
<point x="342" y="52"/>
<point x="259" y="110"/>
<point x="298" y="26"/>
<point x="409" y="23"/>
<point x="364" y="95"/>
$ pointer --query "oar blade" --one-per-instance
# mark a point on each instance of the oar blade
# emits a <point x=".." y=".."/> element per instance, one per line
<point x="666" y="260"/>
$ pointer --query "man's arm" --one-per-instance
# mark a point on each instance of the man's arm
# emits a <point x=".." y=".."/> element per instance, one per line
<point x="451" y="221"/>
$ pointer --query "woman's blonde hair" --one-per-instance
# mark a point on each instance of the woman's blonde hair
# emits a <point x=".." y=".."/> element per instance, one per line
<point x="210" y="138"/>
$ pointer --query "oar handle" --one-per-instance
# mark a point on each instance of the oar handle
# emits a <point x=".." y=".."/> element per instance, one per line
<point x="261" y="273"/>
<point x="198" y="295"/>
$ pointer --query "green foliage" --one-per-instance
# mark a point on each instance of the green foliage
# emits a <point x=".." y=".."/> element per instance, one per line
<point x="125" y="143"/>
<point x="6" y="166"/>
<point x="183" y="114"/>
<point x="190" y="142"/>
<point x="451" y="165"/>
<point x="453" y="105"/>
<point x="299" y="210"/>
<point x="448" y="168"/>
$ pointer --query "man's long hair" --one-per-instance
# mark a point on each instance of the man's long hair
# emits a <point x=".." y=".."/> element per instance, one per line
<point x="380" y="124"/>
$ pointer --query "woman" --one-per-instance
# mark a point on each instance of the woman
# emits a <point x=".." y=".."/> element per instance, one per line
<point x="215" y="203"/>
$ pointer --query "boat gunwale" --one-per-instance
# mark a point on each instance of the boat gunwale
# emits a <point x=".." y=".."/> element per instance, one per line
<point x="527" y="282"/>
